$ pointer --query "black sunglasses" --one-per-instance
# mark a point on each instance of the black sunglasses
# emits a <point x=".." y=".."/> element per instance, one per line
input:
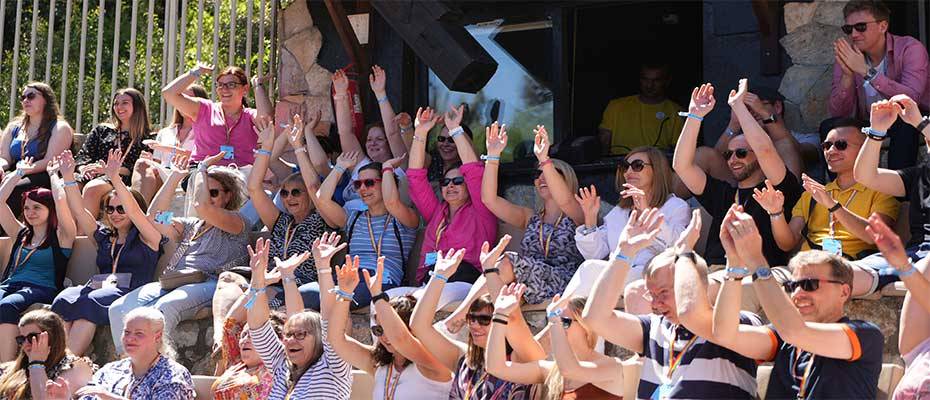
<point x="294" y="192"/>
<point x="741" y="153"/>
<point x="860" y="27"/>
<point x="116" y="209"/>
<point x="443" y="139"/>
<point x="299" y="335"/>
<point x="481" y="319"/>
<point x="840" y="145"/>
<point x="636" y="165"/>
<point x="20" y="340"/>
<point x="458" y="180"/>
<point x="807" y="285"/>
<point x="537" y="173"/>
<point x="567" y="322"/>
<point x="28" y="96"/>
<point x="367" y="182"/>
<point x="377" y="330"/>
<point x="215" y="192"/>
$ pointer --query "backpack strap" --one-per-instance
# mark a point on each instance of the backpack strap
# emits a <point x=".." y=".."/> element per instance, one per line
<point x="358" y="214"/>
<point x="400" y="243"/>
<point x="804" y="230"/>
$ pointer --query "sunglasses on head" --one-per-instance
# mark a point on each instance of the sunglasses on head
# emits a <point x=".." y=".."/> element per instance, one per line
<point x="20" y="340"/>
<point x="215" y="192"/>
<point x="443" y="139"/>
<point x="377" y="330"/>
<point x="115" y="209"/>
<point x="807" y="284"/>
<point x="567" y="322"/>
<point x="480" y="319"/>
<point x="28" y="96"/>
<point x="458" y="180"/>
<point x="636" y="165"/>
<point x="367" y="182"/>
<point x="293" y="192"/>
<point x="228" y="85"/>
<point x="859" y="27"/>
<point x="840" y="145"/>
<point x="741" y="153"/>
<point x="298" y="335"/>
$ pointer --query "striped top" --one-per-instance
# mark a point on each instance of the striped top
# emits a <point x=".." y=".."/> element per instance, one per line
<point x="386" y="230"/>
<point x="330" y="378"/>
<point x="705" y="370"/>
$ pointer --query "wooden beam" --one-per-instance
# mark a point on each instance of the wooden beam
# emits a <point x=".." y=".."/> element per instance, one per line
<point x="351" y="45"/>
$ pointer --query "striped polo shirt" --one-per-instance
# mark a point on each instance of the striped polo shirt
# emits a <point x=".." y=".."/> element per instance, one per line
<point x="705" y="370"/>
<point x="384" y="230"/>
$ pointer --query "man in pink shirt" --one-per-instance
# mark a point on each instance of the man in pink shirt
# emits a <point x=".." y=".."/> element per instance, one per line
<point x="876" y="66"/>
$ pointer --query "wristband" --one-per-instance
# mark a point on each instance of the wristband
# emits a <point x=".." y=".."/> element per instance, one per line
<point x="835" y="207"/>
<point x="554" y="313"/>
<point x="762" y="273"/>
<point x="486" y="157"/>
<point x="439" y="276"/>
<point x="382" y="99"/>
<point x="20" y="172"/>
<point x="300" y="150"/>
<point x="778" y="214"/>
<point x="324" y="271"/>
<point x="910" y="271"/>
<point x="501" y="315"/>
<point x="923" y="124"/>
<point x="691" y="115"/>
<point x="499" y="321"/>
<point x="874" y="134"/>
<point x="339" y="168"/>
<point x="736" y="272"/>
<point x="38" y="362"/>
<point x="418" y="139"/>
<point x="491" y="271"/>
<point x="254" y="294"/>
<point x="196" y="72"/>
<point x="339" y="97"/>
<point x="686" y="254"/>
<point x="202" y="167"/>
<point x="380" y="296"/>
<point x="70" y="183"/>
<point x="37" y="366"/>
<point x="457" y="131"/>
<point x="405" y="129"/>
<point x="545" y="163"/>
<point x="343" y="295"/>
<point x="386" y="170"/>
<point x="620" y="257"/>
<point x="263" y="152"/>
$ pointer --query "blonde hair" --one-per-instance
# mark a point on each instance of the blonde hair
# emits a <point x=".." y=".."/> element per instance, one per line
<point x="14" y="383"/>
<point x="554" y="385"/>
<point x="568" y="173"/>
<point x="232" y="181"/>
<point x="156" y="319"/>
<point x="313" y="324"/>
<point x="661" y="177"/>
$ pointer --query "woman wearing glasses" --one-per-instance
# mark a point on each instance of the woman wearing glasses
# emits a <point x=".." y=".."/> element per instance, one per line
<point x="43" y="356"/>
<point x="207" y="246"/>
<point x="644" y="180"/>
<point x="128" y="248"/>
<point x="127" y="127"/>
<point x="38" y="261"/>
<point x="38" y="132"/>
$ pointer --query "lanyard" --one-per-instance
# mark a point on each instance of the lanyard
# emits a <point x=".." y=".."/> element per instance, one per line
<point x="472" y="386"/>
<point x="20" y="254"/>
<point x="371" y="233"/>
<point x="674" y="362"/>
<point x="390" y="385"/>
<point x="288" y="236"/>
<point x="440" y="229"/>
<point x="736" y="199"/>
<point x="802" y="390"/>
<point x="545" y="245"/>
<point x="23" y="144"/>
<point x="118" y="253"/>
<point x="199" y="234"/>
<point x="226" y="124"/>
<point x="830" y="214"/>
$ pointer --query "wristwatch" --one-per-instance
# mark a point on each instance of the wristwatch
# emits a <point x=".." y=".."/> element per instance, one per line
<point x="769" y="120"/>
<point x="762" y="273"/>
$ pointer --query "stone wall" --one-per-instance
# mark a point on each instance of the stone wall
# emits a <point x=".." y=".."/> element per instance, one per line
<point x="303" y="85"/>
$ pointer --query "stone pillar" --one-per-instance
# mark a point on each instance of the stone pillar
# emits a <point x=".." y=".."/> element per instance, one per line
<point x="303" y="85"/>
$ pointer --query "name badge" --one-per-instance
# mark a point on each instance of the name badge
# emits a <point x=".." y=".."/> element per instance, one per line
<point x="662" y="392"/>
<point x="832" y="246"/>
<point x="229" y="151"/>
<point x="430" y="258"/>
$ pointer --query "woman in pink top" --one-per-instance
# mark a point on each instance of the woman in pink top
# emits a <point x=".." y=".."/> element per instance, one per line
<point x="459" y="219"/>
<point x="225" y="125"/>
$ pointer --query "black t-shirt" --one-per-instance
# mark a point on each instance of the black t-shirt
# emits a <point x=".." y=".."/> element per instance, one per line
<point x="830" y="378"/>
<point x="717" y="198"/>
<point x="917" y="191"/>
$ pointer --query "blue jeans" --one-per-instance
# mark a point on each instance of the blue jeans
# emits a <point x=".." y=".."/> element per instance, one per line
<point x="16" y="297"/>
<point x="310" y="292"/>
<point x="886" y="273"/>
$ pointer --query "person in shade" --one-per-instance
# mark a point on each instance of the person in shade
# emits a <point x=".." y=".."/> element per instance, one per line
<point x="40" y="132"/>
<point x="818" y="352"/>
<point x="38" y="260"/>
<point x="149" y="372"/>
<point x="128" y="248"/>
<point x="304" y="364"/>
<point x="43" y="356"/>
<point x="472" y="380"/>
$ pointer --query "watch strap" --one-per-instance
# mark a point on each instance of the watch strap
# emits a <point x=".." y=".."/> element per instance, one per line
<point x="380" y="296"/>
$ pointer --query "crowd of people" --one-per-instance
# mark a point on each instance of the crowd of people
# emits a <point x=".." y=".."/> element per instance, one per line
<point x="782" y="240"/>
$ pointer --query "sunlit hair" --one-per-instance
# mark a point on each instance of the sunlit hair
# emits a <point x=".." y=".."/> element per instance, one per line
<point x="140" y="201"/>
<point x="139" y="126"/>
<point x="568" y="173"/>
<point x="232" y="181"/>
<point x="238" y="374"/>
<point x="840" y="268"/>
<point x="156" y="322"/>
<point x="297" y="179"/>
<point x="312" y="323"/>
<point x="474" y="358"/>
<point x="554" y="384"/>
<point x="240" y="75"/>
<point x="199" y="92"/>
<point x="50" y="115"/>
<point x="403" y="306"/>
<point x="667" y="258"/>
<point x="14" y="383"/>
<point x="661" y="177"/>
<point x="44" y="197"/>
<point x="878" y="9"/>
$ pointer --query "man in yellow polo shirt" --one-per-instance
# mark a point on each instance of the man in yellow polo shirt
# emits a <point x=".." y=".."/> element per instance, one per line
<point x="833" y="217"/>
<point x="645" y="119"/>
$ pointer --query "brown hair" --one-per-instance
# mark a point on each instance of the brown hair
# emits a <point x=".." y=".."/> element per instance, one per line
<point x="403" y="306"/>
<point x="661" y="177"/>
<point x="568" y="174"/>
<point x="474" y="358"/>
<point x="878" y="9"/>
<point x="199" y="92"/>
<point x="14" y="384"/>
<point x="231" y="180"/>
<point x="668" y="258"/>
<point x="139" y="126"/>
<point x="840" y="268"/>
<point x="313" y="324"/>
<point x="50" y="115"/>
<point x="240" y="75"/>
<point x="140" y="201"/>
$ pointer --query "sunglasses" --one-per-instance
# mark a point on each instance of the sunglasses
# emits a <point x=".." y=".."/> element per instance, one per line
<point x="294" y="192"/>
<point x="807" y="285"/>
<point x="566" y="322"/>
<point x="377" y="330"/>
<point x="20" y="340"/>
<point x="443" y="139"/>
<point x="215" y="192"/>
<point x="741" y="153"/>
<point x="458" y="180"/>
<point x="480" y="319"/>
<point x="116" y="209"/>
<point x="537" y="173"/>
<point x="367" y="182"/>
<point x="860" y="27"/>
<point x="228" y="85"/>
<point x="28" y="96"/>
<point x="840" y="145"/>
<point x="636" y="165"/>
<point x="299" y="335"/>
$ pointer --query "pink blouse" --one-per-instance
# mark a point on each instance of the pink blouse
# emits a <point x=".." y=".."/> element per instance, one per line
<point x="210" y="129"/>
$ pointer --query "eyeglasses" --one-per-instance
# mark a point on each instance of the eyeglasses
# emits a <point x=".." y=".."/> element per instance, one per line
<point x="650" y="296"/>
<point x="566" y="322"/>
<point x="294" y="192"/>
<point x="20" y="340"/>
<point x="636" y="165"/>
<point x="741" y="153"/>
<point x="298" y="335"/>
<point x="228" y="85"/>
<point x="443" y="139"/>
<point x="807" y="284"/>
<point x="377" y="330"/>
<point x="480" y="319"/>
<point x="215" y="192"/>
<point x="840" y="145"/>
<point x="367" y="182"/>
<point x="28" y="96"/>
<point x="537" y="173"/>
<point x="116" y="209"/>
<point x="860" y="27"/>
<point x="458" y="180"/>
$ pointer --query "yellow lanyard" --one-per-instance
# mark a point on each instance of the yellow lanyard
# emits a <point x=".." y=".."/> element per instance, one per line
<point x="371" y="233"/>
<point x="390" y="385"/>
<point x="802" y="390"/>
<point x="674" y="362"/>
<point x="226" y="124"/>
<point x="19" y="254"/>
<point x="440" y="229"/>
<point x="555" y="226"/>
<point x="118" y="253"/>
<point x="288" y="236"/>
<point x="830" y="214"/>
<point x="199" y="234"/>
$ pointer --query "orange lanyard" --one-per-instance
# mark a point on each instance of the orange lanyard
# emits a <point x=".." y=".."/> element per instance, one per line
<point x="802" y="389"/>
<point x="19" y="254"/>
<point x="226" y="124"/>
<point x="390" y="385"/>
<point x="830" y="214"/>
<point x="440" y="229"/>
<point x="371" y="233"/>
<point x="473" y="386"/>
<point x="555" y="226"/>
<point x="118" y="253"/>
<point x="674" y="362"/>
<point x="288" y="236"/>
<point x="199" y="234"/>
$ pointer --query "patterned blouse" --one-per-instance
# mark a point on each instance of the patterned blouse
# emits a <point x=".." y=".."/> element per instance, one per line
<point x="479" y="385"/>
<point x="238" y="383"/>
<point x="166" y="380"/>
<point x="104" y="138"/>
<point x="66" y="364"/>
<point x="289" y="238"/>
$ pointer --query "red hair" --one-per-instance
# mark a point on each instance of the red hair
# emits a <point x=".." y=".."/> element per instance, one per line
<point x="44" y="197"/>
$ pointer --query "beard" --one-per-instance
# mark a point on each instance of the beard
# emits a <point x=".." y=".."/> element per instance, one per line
<point x="747" y="171"/>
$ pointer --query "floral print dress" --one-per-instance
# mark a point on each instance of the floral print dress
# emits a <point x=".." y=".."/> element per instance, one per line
<point x="240" y="382"/>
<point x="166" y="380"/>
<point x="548" y="258"/>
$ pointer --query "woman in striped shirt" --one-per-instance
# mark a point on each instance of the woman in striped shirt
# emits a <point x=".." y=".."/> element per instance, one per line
<point x="305" y="366"/>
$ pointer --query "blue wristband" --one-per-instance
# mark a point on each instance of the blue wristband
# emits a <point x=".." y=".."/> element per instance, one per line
<point x="253" y="295"/>
<point x="382" y="99"/>
<point x="70" y="183"/>
<point x="909" y="272"/>
<point x="340" y="169"/>
<point x="263" y="152"/>
<point x="36" y="366"/>
<point x="554" y="313"/>
<point x="490" y="158"/>
<point x="439" y="276"/>
<point x="737" y="271"/>
<point x="456" y="132"/>
<point x="620" y="257"/>
<point x="872" y="132"/>
<point x="691" y="115"/>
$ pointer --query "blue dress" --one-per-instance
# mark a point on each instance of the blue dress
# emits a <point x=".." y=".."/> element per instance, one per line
<point x="135" y="257"/>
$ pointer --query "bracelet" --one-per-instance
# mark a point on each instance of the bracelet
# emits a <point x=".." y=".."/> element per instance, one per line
<point x="499" y="321"/>
<point x="686" y="254"/>
<point x="339" y="168"/>
<point x="778" y="214"/>
<point x="339" y="97"/>
<point x="300" y="150"/>
<point x="923" y="124"/>
<point x="254" y="294"/>
<point x="263" y="152"/>
<point x="405" y="129"/>
<point x="691" y="115"/>
<point x="545" y="163"/>
<point x="909" y="272"/>
<point x="343" y="295"/>
<point x="439" y="276"/>
<point x="736" y="273"/>
<point x="380" y="296"/>
<point x="486" y="157"/>
<point x="196" y="72"/>
<point x="501" y="315"/>
<point x="382" y="99"/>
<point x="36" y="366"/>
<point x="554" y="313"/>
<point x="835" y="207"/>
<point x="70" y="183"/>
<point x="20" y="172"/>
<point x="418" y="139"/>
<point x="491" y="271"/>
<point x="874" y="134"/>
<point x="324" y="271"/>
<point x="457" y="131"/>
<point x="386" y="170"/>
<point x="202" y="167"/>
<point x="620" y="257"/>
<point x="38" y="362"/>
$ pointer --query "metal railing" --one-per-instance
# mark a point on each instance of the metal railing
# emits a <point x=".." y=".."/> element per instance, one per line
<point x="173" y="41"/>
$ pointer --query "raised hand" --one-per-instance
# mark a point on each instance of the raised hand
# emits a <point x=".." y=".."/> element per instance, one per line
<point x="637" y="194"/>
<point x="541" y="143"/>
<point x="771" y="200"/>
<point x="313" y="119"/>
<point x="909" y="112"/>
<point x="114" y="162"/>
<point x="53" y="166"/>
<point x="496" y="139"/>
<point x="839" y="60"/>
<point x="211" y="160"/>
<point x="58" y="389"/>
<point x="403" y="121"/>
<point x="888" y="243"/>
<point x="818" y="191"/>
<point x="489" y="257"/>
<point x="590" y="204"/>
<point x="453" y="117"/>
<point x="340" y="82"/>
<point x="295" y="131"/>
<point x="258" y="260"/>
<point x="736" y="97"/>
<point x="264" y="128"/>
<point x="374" y="282"/>
<point x="426" y="120"/>
<point x="689" y="237"/>
<point x="347" y="275"/>
<point x="746" y="238"/>
<point x="348" y="160"/>
<point x="733" y="258"/>
<point x="394" y="162"/>
<point x="260" y="81"/>
<point x="757" y="106"/>
<point x="883" y="114"/>
<point x="447" y="264"/>
<point x="702" y="100"/>
<point x="640" y="231"/>
<point x="39" y="348"/>
<point x="325" y="247"/>
<point x="179" y="164"/>
<point x="377" y="80"/>
<point x="203" y="68"/>
<point x="509" y="299"/>
<point x="24" y="166"/>
<point x="66" y="164"/>
<point x="851" y="56"/>
<point x="287" y="267"/>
